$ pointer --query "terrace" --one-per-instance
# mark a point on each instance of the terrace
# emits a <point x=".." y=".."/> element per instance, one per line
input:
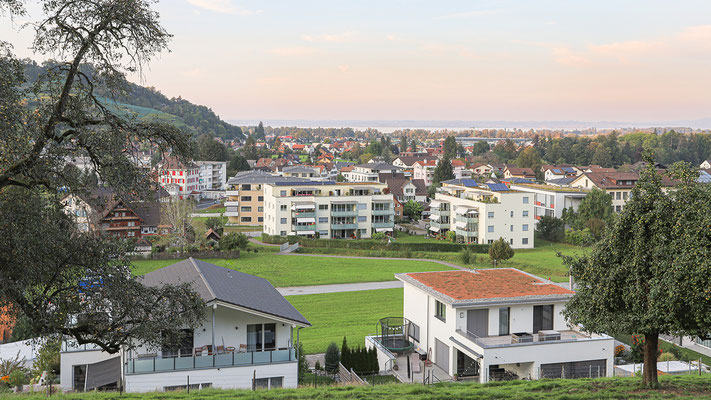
<point x="526" y="338"/>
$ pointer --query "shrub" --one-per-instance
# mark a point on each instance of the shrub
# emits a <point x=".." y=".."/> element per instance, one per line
<point x="500" y="250"/>
<point x="233" y="241"/>
<point x="17" y="378"/>
<point x="379" y="236"/>
<point x="466" y="256"/>
<point x="619" y="350"/>
<point x="332" y="358"/>
<point x="667" y="357"/>
<point x="47" y="359"/>
<point x="579" y="238"/>
<point x="551" y="228"/>
<point x="452" y="236"/>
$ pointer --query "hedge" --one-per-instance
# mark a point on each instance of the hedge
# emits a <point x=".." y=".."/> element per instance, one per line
<point x="365" y="244"/>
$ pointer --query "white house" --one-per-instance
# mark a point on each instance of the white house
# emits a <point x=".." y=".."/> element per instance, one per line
<point x="550" y="200"/>
<point x="494" y="324"/>
<point x="245" y="340"/>
<point x="424" y="170"/>
<point x="370" y="172"/>
<point x="706" y="164"/>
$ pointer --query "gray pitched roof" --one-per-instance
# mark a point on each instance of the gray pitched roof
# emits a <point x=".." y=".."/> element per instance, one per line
<point x="212" y="283"/>
<point x="256" y="176"/>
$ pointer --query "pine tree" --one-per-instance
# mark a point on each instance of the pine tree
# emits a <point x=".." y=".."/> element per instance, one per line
<point x="345" y="354"/>
<point x="443" y="172"/>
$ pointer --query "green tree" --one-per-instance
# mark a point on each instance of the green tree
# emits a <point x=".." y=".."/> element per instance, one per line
<point x="22" y="330"/>
<point x="500" y="251"/>
<point x="209" y="149"/>
<point x="597" y="205"/>
<point x="443" y="171"/>
<point x="340" y="178"/>
<point x="529" y="158"/>
<point x="602" y="156"/>
<point x="332" y="358"/>
<point x="234" y="241"/>
<point x="649" y="275"/>
<point x="238" y="163"/>
<point x="259" y="132"/>
<point x="217" y="224"/>
<point x="303" y="363"/>
<point x="450" y="147"/>
<point x="551" y="228"/>
<point x="403" y="143"/>
<point x="505" y="150"/>
<point x="480" y="147"/>
<point x="345" y="354"/>
<point x="48" y="261"/>
<point x="412" y="210"/>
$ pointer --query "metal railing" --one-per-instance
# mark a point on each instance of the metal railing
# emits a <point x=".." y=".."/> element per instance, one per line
<point x="233" y="359"/>
<point x="506" y="340"/>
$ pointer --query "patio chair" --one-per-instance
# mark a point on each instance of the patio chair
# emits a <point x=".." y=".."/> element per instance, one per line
<point x="198" y="351"/>
<point x="220" y="349"/>
<point x="243" y="348"/>
<point x="230" y="349"/>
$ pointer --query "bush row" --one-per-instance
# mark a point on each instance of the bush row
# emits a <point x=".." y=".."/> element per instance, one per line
<point x="365" y="244"/>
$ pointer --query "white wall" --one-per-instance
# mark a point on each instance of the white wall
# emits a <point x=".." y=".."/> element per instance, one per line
<point x="69" y="359"/>
<point x="223" y="378"/>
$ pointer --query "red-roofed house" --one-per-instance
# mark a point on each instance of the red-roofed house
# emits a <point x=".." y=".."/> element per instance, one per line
<point x="495" y="324"/>
<point x="424" y="170"/>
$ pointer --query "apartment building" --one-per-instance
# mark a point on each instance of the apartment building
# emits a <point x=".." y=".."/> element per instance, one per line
<point x="551" y="200"/>
<point x="212" y="175"/>
<point x="370" y="172"/>
<point x="499" y="324"/>
<point x="329" y="209"/>
<point x="483" y="213"/>
<point x="245" y="196"/>
<point x="179" y="179"/>
<point x="619" y="185"/>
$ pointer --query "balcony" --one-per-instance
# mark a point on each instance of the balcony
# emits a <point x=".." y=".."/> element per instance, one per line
<point x="352" y="213"/>
<point x="464" y="233"/>
<point x="527" y="339"/>
<point x="389" y="211"/>
<point x="343" y="226"/>
<point x="231" y="192"/>
<point x="232" y="359"/>
<point x="309" y="227"/>
<point x="440" y="225"/>
<point x="231" y="203"/>
<point x="232" y="212"/>
<point x="378" y="225"/>
<point x="304" y="214"/>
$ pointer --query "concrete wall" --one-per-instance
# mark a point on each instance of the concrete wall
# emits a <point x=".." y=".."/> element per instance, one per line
<point x="69" y="359"/>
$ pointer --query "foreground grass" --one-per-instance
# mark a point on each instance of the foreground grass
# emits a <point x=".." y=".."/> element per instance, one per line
<point x="285" y="270"/>
<point x="678" y="387"/>
<point x="350" y="314"/>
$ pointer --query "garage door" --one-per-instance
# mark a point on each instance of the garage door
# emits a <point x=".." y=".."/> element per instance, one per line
<point x="442" y="355"/>
<point x="577" y="369"/>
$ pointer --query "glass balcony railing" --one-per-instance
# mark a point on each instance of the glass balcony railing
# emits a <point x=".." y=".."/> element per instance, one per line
<point x="351" y="213"/>
<point x="344" y="226"/>
<point x="383" y="224"/>
<point x="304" y="214"/>
<point x="389" y="211"/>
<point x="233" y="359"/>
<point x="307" y="227"/>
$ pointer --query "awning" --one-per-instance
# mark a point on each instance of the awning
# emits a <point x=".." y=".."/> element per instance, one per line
<point x="103" y="373"/>
<point x="303" y="233"/>
<point x="306" y="220"/>
<point x="434" y="217"/>
<point x="435" y="204"/>
<point x="462" y="210"/>
<point x="434" y="229"/>
<point x="383" y="229"/>
<point x="461" y="225"/>
<point x="303" y="207"/>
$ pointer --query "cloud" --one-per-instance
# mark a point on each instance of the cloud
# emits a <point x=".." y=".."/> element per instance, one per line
<point x="333" y="37"/>
<point x="471" y="14"/>
<point x="292" y="51"/>
<point x="223" y="7"/>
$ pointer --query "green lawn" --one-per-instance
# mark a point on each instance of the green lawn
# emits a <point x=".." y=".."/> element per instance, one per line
<point x="544" y="261"/>
<point x="213" y="209"/>
<point x="243" y="228"/>
<point x="672" y="387"/>
<point x="285" y="270"/>
<point x="350" y="314"/>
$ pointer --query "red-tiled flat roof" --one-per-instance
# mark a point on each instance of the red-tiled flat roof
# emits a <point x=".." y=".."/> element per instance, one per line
<point x="487" y="284"/>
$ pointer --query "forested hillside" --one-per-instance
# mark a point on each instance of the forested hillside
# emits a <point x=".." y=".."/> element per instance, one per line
<point x="149" y="103"/>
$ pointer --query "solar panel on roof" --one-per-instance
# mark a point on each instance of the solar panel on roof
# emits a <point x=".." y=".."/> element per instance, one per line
<point x="497" y="187"/>
<point x="469" y="182"/>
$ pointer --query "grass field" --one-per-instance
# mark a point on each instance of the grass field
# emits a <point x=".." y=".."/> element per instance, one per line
<point x="284" y="270"/>
<point x="350" y="314"/>
<point x="672" y="387"/>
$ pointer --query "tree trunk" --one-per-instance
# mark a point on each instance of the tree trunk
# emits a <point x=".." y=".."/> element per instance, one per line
<point x="651" y="349"/>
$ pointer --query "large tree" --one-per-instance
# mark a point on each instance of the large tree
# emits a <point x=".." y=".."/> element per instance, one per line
<point x="443" y="171"/>
<point x="450" y="147"/>
<point x="594" y="212"/>
<point x="65" y="282"/>
<point x="209" y="149"/>
<point x="651" y="272"/>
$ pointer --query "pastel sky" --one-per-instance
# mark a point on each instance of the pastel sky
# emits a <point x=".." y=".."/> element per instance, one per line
<point x="626" y="60"/>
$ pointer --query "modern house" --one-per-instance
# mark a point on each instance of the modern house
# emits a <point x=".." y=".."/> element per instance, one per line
<point x="369" y="172"/>
<point x="483" y="213"/>
<point x="550" y="200"/>
<point x="245" y="341"/>
<point x="552" y="172"/>
<point x="499" y="324"/>
<point x="245" y="196"/>
<point x="329" y="209"/>
<point x="424" y="170"/>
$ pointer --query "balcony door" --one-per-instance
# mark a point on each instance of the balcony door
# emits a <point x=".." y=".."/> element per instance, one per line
<point x="478" y="322"/>
<point x="542" y="318"/>
<point x="261" y="337"/>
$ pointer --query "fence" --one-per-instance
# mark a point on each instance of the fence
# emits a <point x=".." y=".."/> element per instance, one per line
<point x="187" y="254"/>
<point x="287" y="248"/>
<point x="349" y="377"/>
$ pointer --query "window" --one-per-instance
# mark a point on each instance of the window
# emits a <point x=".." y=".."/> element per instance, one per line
<point x="260" y="219"/>
<point x="511" y="228"/>
<point x="246" y="198"/>
<point x="323" y="233"/>
<point x="282" y="233"/>
<point x="282" y="193"/>
<point x="542" y="318"/>
<point x="131" y="223"/>
<point x="490" y="228"/>
<point x="246" y="208"/>
<point x="490" y="241"/>
<point x="511" y="241"/>
<point x="362" y="218"/>
<point x="260" y="198"/>
<point x="269" y="383"/>
<point x="524" y="241"/>
<point x="362" y="206"/>
<point x="246" y="187"/>
<point x="283" y="220"/>
<point x="260" y="209"/>
<point x="525" y="200"/>
<point x="130" y="233"/>
<point x="246" y="219"/>
<point x="282" y="207"/>
<point x="504" y="318"/>
<point x="323" y="220"/>
<point x="490" y="214"/>
<point x="414" y="331"/>
<point x="525" y="213"/>
<point x="624" y="195"/>
<point x="618" y="208"/>
<point x="618" y="196"/>
<point x="511" y="214"/>
<point x="323" y="206"/>
<point x="440" y="311"/>
<point x="525" y="227"/>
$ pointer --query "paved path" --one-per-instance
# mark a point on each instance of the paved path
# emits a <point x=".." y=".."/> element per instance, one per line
<point x="255" y="241"/>
<point x="343" y="287"/>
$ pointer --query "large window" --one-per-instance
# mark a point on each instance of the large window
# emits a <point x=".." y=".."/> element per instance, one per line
<point x="440" y="311"/>
<point x="542" y="318"/>
<point x="261" y="337"/>
<point x="184" y="347"/>
<point x="504" y="318"/>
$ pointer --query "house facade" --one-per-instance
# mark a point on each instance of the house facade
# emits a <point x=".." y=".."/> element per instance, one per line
<point x="181" y="180"/>
<point x="499" y="324"/>
<point x="483" y="214"/>
<point x="246" y="340"/>
<point x="424" y="170"/>
<point x="329" y="209"/>
<point x="245" y="196"/>
<point x="212" y="175"/>
<point x="551" y="201"/>
<point x="369" y="172"/>
<point x="139" y="220"/>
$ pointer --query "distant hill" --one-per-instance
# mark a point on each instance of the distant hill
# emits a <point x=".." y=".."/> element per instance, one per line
<point x="150" y="104"/>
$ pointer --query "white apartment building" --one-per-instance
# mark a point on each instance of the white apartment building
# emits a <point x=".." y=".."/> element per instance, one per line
<point x="248" y="338"/>
<point x="329" y="209"/>
<point x="212" y="175"/>
<point x="499" y="324"/>
<point x="550" y="200"/>
<point x="369" y="172"/>
<point x="483" y="214"/>
<point x="424" y="170"/>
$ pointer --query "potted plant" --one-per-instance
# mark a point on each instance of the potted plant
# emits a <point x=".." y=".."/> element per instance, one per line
<point x="395" y="367"/>
<point x="456" y="377"/>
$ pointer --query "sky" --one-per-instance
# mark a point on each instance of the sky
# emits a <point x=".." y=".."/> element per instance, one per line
<point x="621" y="60"/>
